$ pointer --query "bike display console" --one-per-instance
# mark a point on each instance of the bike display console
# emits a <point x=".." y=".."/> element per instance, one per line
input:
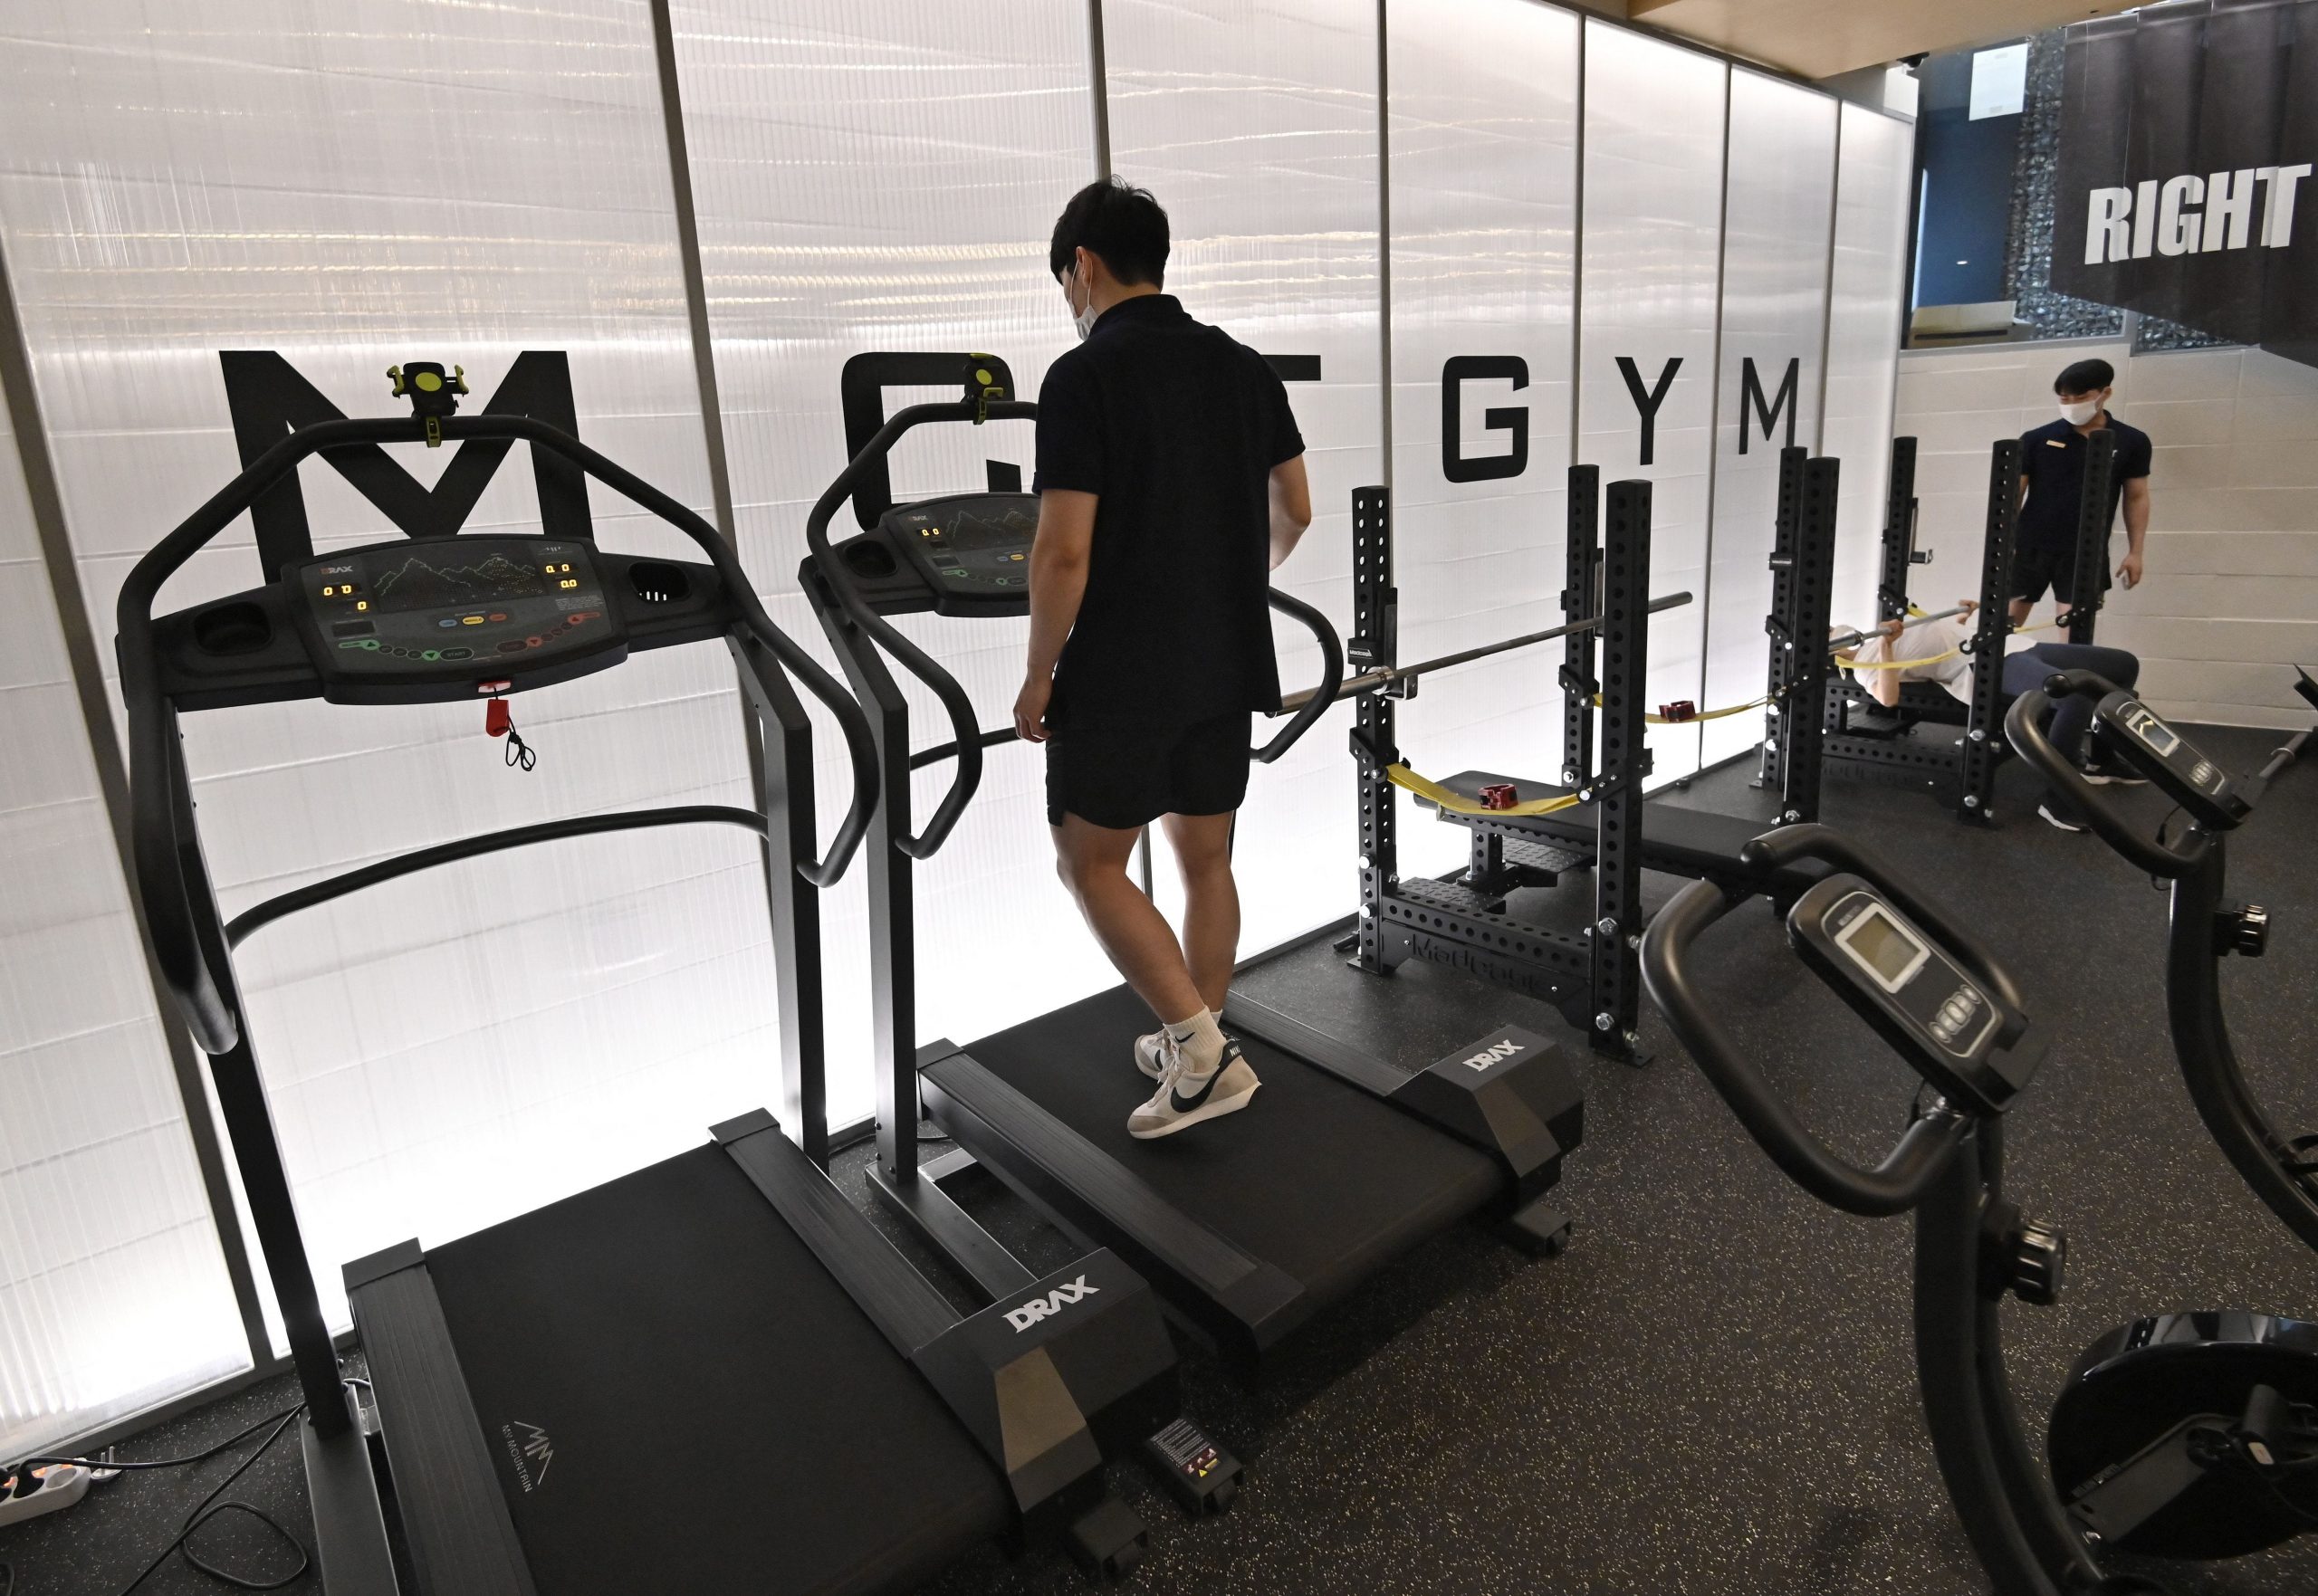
<point x="967" y="554"/>
<point x="2190" y="779"/>
<point x="1956" y="1032"/>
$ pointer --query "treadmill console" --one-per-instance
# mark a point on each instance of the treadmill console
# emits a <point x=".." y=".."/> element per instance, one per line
<point x="2132" y="730"/>
<point x="968" y="554"/>
<point x="454" y="609"/>
<point x="1955" y="1032"/>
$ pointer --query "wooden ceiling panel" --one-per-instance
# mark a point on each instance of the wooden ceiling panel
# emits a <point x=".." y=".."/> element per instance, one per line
<point x="1819" y="38"/>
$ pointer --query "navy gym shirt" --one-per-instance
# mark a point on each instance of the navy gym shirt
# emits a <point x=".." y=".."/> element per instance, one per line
<point x="1176" y="426"/>
<point x="2052" y="457"/>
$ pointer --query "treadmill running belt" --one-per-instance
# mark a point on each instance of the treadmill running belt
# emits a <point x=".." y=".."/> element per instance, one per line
<point x="1313" y="1176"/>
<point x="679" y="1398"/>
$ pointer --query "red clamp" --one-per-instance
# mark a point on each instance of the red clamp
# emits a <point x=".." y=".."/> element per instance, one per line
<point x="1500" y="794"/>
<point x="1681" y="710"/>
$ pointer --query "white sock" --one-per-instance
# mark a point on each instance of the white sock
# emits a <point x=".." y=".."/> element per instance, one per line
<point x="1201" y="1040"/>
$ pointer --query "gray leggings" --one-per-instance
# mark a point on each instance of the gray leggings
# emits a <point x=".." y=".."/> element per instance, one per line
<point x="2072" y="717"/>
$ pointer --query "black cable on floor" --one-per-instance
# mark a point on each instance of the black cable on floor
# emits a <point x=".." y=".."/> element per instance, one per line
<point x="108" y="1463"/>
<point x="203" y="1513"/>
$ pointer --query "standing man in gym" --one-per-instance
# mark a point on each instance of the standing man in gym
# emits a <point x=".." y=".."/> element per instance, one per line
<point x="2052" y="483"/>
<point x="1171" y="483"/>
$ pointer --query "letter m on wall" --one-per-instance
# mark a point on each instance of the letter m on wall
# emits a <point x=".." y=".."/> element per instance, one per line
<point x="269" y="400"/>
<point x="1767" y="412"/>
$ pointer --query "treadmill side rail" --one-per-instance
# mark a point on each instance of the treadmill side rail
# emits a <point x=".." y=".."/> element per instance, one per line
<point x="454" y="1516"/>
<point x="1512" y="1094"/>
<point x="350" y="1550"/>
<point x="1245" y="1302"/>
<point x="907" y="1310"/>
<point x="1034" y="1378"/>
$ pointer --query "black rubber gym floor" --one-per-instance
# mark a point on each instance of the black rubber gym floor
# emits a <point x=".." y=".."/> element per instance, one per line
<point x="1711" y="1390"/>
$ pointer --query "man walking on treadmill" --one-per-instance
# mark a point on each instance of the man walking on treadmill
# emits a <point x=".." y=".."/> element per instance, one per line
<point x="1170" y="482"/>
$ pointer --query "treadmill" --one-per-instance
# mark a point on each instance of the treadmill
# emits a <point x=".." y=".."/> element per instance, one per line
<point x="1244" y="1230"/>
<point x="714" y="1373"/>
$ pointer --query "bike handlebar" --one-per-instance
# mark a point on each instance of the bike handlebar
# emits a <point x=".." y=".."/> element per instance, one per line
<point x="2024" y="727"/>
<point x="1906" y="1174"/>
<point x="965" y="731"/>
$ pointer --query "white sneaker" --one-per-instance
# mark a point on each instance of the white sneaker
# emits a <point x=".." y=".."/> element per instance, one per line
<point x="1148" y="1053"/>
<point x="2113" y="776"/>
<point x="1185" y="1099"/>
<point x="2052" y="819"/>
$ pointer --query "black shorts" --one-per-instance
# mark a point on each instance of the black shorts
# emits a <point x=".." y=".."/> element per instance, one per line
<point x="2036" y="569"/>
<point x="1126" y="776"/>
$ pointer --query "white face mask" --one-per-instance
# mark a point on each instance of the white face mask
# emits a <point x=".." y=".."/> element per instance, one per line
<point x="1083" y="321"/>
<point x="2074" y="415"/>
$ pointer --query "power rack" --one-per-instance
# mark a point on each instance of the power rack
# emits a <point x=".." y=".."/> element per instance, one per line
<point x="1464" y="923"/>
<point x="1930" y="741"/>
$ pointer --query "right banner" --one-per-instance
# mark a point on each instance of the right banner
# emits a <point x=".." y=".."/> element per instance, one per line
<point x="2188" y="137"/>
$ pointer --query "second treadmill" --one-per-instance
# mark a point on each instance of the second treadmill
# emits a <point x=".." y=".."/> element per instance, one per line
<point x="1252" y="1225"/>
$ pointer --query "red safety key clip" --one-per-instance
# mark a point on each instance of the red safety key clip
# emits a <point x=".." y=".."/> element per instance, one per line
<point x="499" y="721"/>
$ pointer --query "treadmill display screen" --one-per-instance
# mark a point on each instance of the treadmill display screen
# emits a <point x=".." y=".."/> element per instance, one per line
<point x="465" y="604"/>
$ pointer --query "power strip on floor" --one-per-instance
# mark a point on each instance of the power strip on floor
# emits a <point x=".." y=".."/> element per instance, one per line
<point x="61" y="1485"/>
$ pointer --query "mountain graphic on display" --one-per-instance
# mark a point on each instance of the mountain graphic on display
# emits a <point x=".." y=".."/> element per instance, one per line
<point x="417" y="584"/>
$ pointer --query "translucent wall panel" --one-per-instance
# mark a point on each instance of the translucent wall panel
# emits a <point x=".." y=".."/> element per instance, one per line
<point x="1255" y="122"/>
<point x="112" y="1293"/>
<point x="885" y="177"/>
<point x="357" y="184"/>
<point x="1866" y="283"/>
<point x="1780" y="213"/>
<point x="1652" y="248"/>
<point x="1484" y="217"/>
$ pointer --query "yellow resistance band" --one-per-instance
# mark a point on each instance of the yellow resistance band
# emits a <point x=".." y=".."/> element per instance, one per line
<point x="1434" y="792"/>
<point x="1851" y="663"/>
<point x="1736" y="709"/>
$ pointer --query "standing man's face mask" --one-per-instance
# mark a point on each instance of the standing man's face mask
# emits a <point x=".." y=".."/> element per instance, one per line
<point x="1083" y="320"/>
<point x="2075" y="415"/>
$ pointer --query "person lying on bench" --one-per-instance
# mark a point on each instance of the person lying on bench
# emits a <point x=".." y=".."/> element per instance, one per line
<point x="1934" y="650"/>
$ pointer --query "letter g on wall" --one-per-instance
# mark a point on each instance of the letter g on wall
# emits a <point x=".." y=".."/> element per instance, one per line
<point x="1455" y="372"/>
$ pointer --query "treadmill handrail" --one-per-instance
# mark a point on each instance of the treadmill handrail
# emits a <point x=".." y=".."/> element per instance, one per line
<point x="1310" y="707"/>
<point x="346" y="883"/>
<point x="1331" y="676"/>
<point x="184" y="962"/>
<point x="965" y="731"/>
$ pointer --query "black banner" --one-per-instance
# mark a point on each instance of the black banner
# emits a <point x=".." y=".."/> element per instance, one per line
<point x="2188" y="132"/>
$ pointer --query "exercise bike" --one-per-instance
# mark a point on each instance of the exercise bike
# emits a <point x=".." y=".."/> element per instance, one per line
<point x="2204" y="927"/>
<point x="2188" y="1436"/>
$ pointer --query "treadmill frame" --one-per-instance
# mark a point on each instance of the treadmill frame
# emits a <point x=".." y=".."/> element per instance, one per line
<point x="1244" y="1302"/>
<point x="1111" y="1360"/>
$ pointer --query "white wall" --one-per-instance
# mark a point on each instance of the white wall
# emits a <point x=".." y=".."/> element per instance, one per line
<point x="2230" y="600"/>
<point x="104" y="1229"/>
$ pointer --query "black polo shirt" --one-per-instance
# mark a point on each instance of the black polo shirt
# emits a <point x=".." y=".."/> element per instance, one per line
<point x="2052" y="457"/>
<point x="1176" y="426"/>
